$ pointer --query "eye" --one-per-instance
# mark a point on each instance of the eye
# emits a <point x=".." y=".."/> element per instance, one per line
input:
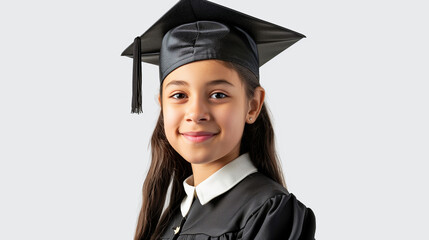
<point x="178" y="96"/>
<point x="218" y="95"/>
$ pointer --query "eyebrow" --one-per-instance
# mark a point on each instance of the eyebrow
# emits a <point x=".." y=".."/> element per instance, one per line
<point x="218" y="82"/>
<point x="211" y="83"/>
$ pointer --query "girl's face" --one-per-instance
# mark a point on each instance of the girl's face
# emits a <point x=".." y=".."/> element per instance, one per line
<point x="205" y="109"/>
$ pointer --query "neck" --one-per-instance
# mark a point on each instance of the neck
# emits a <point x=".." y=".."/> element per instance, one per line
<point x="202" y="171"/>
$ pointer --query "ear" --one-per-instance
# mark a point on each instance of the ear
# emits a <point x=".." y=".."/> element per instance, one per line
<point x="159" y="100"/>
<point x="255" y="105"/>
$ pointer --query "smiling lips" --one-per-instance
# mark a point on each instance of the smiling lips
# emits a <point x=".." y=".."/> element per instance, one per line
<point x="198" y="136"/>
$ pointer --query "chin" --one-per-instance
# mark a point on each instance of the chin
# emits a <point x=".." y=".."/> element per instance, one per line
<point x="198" y="159"/>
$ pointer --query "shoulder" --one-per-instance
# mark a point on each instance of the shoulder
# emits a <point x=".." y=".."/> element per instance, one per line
<point x="261" y="185"/>
<point x="264" y="209"/>
<point x="254" y="190"/>
<point x="274" y="212"/>
<point x="281" y="217"/>
<point x="255" y="194"/>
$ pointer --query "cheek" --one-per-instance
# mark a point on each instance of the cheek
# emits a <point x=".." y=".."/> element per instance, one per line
<point x="232" y="121"/>
<point x="171" y="121"/>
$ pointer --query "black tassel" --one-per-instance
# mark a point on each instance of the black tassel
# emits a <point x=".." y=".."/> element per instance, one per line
<point x="136" y="105"/>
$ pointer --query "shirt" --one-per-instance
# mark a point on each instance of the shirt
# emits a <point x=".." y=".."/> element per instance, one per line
<point x="218" y="183"/>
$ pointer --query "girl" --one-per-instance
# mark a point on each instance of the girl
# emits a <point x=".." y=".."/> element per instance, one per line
<point x="214" y="141"/>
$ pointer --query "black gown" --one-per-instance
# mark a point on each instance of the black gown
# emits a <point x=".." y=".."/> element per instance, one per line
<point x="256" y="208"/>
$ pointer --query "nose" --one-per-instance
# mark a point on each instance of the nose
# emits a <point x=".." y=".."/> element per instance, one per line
<point x="197" y="110"/>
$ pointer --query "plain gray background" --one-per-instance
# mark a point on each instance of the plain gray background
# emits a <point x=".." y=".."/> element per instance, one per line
<point x="349" y="105"/>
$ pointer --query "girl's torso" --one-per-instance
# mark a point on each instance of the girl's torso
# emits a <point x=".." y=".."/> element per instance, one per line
<point x="255" y="208"/>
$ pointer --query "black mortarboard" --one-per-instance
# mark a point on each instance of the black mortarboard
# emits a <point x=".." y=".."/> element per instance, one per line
<point x="195" y="30"/>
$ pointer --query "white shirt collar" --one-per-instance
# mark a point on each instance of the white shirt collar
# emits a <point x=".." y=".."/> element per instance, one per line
<point x="218" y="183"/>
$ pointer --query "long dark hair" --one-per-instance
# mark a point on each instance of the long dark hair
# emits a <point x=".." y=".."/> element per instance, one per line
<point x="168" y="166"/>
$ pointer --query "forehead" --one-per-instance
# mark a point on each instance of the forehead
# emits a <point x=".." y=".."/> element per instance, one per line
<point x="202" y="73"/>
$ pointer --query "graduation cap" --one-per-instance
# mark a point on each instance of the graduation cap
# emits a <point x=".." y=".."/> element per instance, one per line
<point x="194" y="30"/>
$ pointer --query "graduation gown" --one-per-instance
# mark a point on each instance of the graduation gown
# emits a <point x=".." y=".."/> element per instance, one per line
<point x="255" y="207"/>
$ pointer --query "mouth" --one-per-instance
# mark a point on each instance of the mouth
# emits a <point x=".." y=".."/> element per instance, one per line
<point x="198" y="137"/>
